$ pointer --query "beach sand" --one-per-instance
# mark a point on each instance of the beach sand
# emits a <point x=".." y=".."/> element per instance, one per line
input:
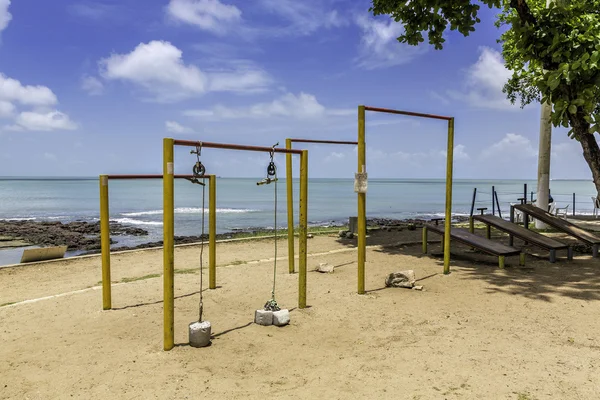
<point x="479" y="333"/>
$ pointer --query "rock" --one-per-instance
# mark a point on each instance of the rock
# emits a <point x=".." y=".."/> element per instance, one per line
<point x="349" y="235"/>
<point x="342" y="234"/>
<point x="417" y="287"/>
<point x="403" y="279"/>
<point x="325" y="268"/>
<point x="263" y="317"/>
<point x="411" y="227"/>
<point x="281" y="317"/>
<point x="309" y="236"/>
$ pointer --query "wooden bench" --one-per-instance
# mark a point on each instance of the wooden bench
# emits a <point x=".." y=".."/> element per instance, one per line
<point x="470" y="239"/>
<point x="526" y="235"/>
<point x="557" y="223"/>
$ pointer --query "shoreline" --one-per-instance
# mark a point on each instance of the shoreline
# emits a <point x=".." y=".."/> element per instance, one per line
<point x="83" y="238"/>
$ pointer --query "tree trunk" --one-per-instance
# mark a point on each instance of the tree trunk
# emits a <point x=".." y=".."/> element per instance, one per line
<point x="589" y="144"/>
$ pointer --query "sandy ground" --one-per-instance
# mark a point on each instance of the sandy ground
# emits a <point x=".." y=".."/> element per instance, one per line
<point x="479" y="333"/>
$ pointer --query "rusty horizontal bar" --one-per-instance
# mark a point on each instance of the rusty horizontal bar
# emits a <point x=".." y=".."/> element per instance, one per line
<point x="153" y="176"/>
<point x="322" y="141"/>
<point x="229" y="146"/>
<point x="409" y="113"/>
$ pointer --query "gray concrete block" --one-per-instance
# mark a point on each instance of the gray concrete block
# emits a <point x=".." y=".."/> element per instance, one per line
<point x="281" y="317"/>
<point x="199" y="333"/>
<point x="263" y="317"/>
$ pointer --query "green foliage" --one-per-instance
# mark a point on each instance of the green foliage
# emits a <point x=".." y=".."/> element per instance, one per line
<point x="554" y="52"/>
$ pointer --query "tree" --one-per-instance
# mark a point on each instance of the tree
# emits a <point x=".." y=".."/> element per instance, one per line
<point x="554" y="53"/>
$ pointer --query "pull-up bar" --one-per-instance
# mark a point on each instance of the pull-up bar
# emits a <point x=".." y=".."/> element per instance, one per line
<point x="290" y="191"/>
<point x="362" y="196"/>
<point x="321" y="141"/>
<point x="408" y="113"/>
<point x="229" y="146"/>
<point x="169" y="213"/>
<point x="105" y="229"/>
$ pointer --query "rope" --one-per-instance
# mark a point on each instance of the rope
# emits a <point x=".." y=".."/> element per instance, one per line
<point x="201" y="306"/>
<point x="275" y="260"/>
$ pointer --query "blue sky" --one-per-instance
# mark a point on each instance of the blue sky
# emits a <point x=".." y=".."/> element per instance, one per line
<point x="91" y="87"/>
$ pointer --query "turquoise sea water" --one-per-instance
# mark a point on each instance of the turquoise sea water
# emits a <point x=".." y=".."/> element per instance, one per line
<point x="241" y="204"/>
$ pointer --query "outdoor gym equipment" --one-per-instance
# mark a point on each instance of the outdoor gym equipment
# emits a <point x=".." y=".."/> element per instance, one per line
<point x="361" y="180"/>
<point x="199" y="331"/>
<point x="105" y="228"/>
<point x="168" y="223"/>
<point x="290" y="191"/>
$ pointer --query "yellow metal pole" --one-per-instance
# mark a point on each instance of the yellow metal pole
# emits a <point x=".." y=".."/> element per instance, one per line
<point x="105" y="242"/>
<point x="212" y="232"/>
<point x="362" y="199"/>
<point x="290" y="206"/>
<point x="168" y="245"/>
<point x="303" y="228"/>
<point x="448" y="220"/>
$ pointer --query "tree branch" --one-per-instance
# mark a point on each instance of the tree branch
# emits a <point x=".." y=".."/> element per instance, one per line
<point x="524" y="12"/>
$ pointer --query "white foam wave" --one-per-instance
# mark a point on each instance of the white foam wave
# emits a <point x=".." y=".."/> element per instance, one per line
<point x="190" y="210"/>
<point x="132" y="221"/>
<point x="18" y="219"/>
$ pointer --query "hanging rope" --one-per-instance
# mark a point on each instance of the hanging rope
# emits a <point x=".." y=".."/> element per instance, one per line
<point x="272" y="305"/>
<point x="201" y="306"/>
<point x="198" y="171"/>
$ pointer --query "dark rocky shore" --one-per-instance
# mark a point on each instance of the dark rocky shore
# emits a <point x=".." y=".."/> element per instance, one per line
<point x="85" y="236"/>
<point x="76" y="235"/>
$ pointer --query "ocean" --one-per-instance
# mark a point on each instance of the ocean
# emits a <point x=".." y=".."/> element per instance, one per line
<point x="241" y="204"/>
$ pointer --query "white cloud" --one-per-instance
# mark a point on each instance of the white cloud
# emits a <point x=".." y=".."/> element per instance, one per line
<point x="13" y="91"/>
<point x="5" y="16"/>
<point x="92" y="85"/>
<point x="303" y="17"/>
<point x="484" y="82"/>
<point x="302" y="106"/>
<point x="209" y="15"/>
<point x="158" y="67"/>
<point x="6" y="109"/>
<point x="378" y="46"/>
<point x="176" y="127"/>
<point x="43" y="121"/>
<point x="517" y="146"/>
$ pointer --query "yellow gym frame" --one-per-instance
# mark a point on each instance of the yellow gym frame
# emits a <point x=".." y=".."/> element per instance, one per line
<point x="105" y="229"/>
<point x="290" y="190"/>
<point x="362" y="197"/>
<point x="168" y="223"/>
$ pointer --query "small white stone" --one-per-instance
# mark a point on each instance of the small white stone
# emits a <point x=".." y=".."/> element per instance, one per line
<point x="199" y="333"/>
<point x="263" y="317"/>
<point x="325" y="268"/>
<point x="281" y="317"/>
<point x="418" y="287"/>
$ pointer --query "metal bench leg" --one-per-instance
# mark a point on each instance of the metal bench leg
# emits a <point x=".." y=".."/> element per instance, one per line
<point x="471" y="225"/>
<point x="424" y="240"/>
<point x="501" y="262"/>
<point x="522" y="259"/>
<point x="552" y="255"/>
<point x="570" y="253"/>
<point x="595" y="250"/>
<point x="488" y="231"/>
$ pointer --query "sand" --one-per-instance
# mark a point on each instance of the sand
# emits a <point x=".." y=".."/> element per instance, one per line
<point x="479" y="333"/>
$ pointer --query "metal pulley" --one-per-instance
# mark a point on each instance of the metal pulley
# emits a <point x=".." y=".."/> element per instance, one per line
<point x="198" y="170"/>
<point x="271" y="169"/>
